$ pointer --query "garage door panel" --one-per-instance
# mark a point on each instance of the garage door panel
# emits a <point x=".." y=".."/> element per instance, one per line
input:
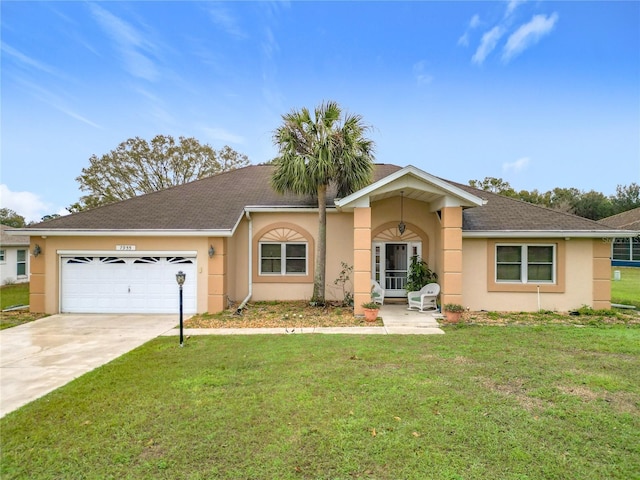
<point x="126" y="285"/>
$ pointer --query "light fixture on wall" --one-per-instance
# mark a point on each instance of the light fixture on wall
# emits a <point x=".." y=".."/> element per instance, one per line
<point x="37" y="250"/>
<point x="401" y="226"/>
<point x="212" y="251"/>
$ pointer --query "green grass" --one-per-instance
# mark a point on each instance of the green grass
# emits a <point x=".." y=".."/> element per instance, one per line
<point x="16" y="294"/>
<point x="627" y="290"/>
<point x="512" y="402"/>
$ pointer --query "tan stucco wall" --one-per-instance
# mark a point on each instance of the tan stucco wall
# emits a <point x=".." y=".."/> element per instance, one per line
<point x="45" y="293"/>
<point x="339" y="248"/>
<point x="578" y="289"/>
<point x="415" y="212"/>
<point x="238" y="263"/>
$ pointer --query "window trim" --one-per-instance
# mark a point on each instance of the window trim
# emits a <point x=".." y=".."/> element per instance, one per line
<point x="283" y="259"/>
<point x="278" y="232"/>
<point x="21" y="262"/>
<point x="504" y="286"/>
<point x="525" y="263"/>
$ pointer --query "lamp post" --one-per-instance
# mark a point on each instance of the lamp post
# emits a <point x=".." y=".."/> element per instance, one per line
<point x="180" y="278"/>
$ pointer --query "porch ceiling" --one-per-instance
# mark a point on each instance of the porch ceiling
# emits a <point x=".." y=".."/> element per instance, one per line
<point x="412" y="193"/>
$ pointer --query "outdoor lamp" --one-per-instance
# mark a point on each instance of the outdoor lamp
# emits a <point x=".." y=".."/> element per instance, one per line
<point x="212" y="251"/>
<point x="37" y="250"/>
<point x="401" y="226"/>
<point x="180" y="278"/>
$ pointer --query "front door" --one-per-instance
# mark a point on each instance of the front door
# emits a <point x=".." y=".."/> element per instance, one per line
<point x="391" y="262"/>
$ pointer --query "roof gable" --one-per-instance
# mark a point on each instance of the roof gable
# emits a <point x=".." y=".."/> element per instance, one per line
<point x="439" y="192"/>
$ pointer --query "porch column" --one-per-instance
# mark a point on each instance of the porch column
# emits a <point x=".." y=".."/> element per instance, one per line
<point x="601" y="275"/>
<point x="217" y="277"/>
<point x="451" y="280"/>
<point x="361" y="258"/>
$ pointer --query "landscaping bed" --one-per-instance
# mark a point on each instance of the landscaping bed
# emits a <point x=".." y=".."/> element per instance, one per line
<point x="299" y="314"/>
<point x="294" y="314"/>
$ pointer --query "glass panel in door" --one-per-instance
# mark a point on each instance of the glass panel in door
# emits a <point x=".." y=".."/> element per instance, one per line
<point x="396" y="265"/>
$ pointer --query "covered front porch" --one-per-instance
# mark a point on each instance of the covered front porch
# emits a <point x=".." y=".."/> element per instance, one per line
<point x="409" y="213"/>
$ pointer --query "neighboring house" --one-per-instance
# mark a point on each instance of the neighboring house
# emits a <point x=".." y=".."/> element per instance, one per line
<point x="14" y="257"/>
<point x="236" y="239"/>
<point x="625" y="251"/>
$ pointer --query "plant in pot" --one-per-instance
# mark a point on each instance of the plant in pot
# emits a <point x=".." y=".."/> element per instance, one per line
<point x="453" y="312"/>
<point x="419" y="275"/>
<point x="371" y="310"/>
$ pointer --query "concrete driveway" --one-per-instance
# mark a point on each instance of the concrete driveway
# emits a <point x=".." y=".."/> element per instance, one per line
<point x="38" y="357"/>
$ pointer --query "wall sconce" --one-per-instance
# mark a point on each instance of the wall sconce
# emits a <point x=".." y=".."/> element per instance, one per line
<point x="401" y="226"/>
<point x="37" y="250"/>
<point x="212" y="251"/>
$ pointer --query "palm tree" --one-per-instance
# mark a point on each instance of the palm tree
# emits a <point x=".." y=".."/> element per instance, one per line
<point x="319" y="152"/>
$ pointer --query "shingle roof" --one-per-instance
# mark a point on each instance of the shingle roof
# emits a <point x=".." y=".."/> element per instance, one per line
<point x="12" y="240"/>
<point x="629" y="220"/>
<point x="217" y="202"/>
<point x="505" y="213"/>
<point x="213" y="203"/>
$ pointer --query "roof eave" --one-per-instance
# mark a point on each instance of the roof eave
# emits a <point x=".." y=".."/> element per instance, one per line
<point x="548" y="233"/>
<point x="71" y="232"/>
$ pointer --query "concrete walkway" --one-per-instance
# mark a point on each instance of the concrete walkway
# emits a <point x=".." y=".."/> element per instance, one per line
<point x="397" y="320"/>
<point x="38" y="357"/>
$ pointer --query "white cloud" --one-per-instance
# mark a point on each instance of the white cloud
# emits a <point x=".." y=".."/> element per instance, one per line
<point x="222" y="135"/>
<point x="420" y="73"/>
<point x="222" y="18"/>
<point x="28" y="204"/>
<point x="517" y="165"/>
<point x="130" y="42"/>
<point x="512" y="5"/>
<point x="55" y="101"/>
<point x="473" y="23"/>
<point x="26" y="60"/>
<point x="487" y="44"/>
<point x="528" y="34"/>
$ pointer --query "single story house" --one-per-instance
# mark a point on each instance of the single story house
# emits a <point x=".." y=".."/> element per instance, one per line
<point x="237" y="239"/>
<point x="14" y="258"/>
<point x="625" y="251"/>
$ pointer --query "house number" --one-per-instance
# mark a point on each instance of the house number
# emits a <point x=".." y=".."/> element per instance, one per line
<point x="125" y="247"/>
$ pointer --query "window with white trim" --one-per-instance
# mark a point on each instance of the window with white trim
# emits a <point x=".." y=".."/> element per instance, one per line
<point x="532" y="263"/>
<point x="21" y="264"/>
<point x="2" y="256"/>
<point x="283" y="258"/>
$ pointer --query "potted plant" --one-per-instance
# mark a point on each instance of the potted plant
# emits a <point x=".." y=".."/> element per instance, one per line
<point x="453" y="311"/>
<point x="371" y="310"/>
<point x="419" y="275"/>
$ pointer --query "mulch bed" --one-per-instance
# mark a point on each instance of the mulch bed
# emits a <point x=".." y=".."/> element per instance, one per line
<point x="281" y="315"/>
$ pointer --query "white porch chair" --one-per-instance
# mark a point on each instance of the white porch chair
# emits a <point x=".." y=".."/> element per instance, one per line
<point x="425" y="299"/>
<point x="377" y="292"/>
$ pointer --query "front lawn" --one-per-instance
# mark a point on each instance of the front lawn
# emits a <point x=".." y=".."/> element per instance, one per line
<point x="12" y="295"/>
<point x="507" y="402"/>
<point x="626" y="290"/>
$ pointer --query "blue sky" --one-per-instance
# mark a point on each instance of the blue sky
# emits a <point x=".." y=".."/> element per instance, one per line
<point x="543" y="94"/>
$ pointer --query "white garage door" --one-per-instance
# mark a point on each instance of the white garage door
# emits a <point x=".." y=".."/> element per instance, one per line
<point x="126" y="284"/>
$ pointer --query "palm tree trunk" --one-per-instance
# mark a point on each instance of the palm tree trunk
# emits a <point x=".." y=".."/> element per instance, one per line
<point x="321" y="248"/>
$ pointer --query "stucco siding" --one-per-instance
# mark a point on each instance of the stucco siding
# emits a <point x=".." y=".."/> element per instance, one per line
<point x="578" y="283"/>
<point x="414" y="212"/>
<point x="339" y="249"/>
<point x="51" y="260"/>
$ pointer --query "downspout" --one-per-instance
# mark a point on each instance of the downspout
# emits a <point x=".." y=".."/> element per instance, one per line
<point x="250" y="278"/>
